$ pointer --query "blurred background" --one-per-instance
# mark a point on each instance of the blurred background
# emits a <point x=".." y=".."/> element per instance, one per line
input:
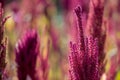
<point x="55" y="21"/>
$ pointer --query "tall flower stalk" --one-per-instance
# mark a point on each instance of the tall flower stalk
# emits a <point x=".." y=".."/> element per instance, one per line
<point x="27" y="51"/>
<point x="2" y="43"/>
<point x="94" y="26"/>
<point x="84" y="56"/>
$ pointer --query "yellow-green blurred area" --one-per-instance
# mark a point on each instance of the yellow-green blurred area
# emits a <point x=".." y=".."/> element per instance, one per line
<point x="53" y="22"/>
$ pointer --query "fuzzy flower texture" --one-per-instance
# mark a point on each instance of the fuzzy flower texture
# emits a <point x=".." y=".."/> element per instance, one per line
<point x="27" y="51"/>
<point x="84" y="55"/>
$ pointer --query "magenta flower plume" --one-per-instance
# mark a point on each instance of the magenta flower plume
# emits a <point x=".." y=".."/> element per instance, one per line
<point x="27" y="51"/>
<point x="2" y="43"/>
<point x="84" y="55"/>
<point x="94" y="25"/>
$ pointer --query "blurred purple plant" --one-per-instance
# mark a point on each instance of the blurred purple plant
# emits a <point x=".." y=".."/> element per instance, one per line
<point x="111" y="74"/>
<point x="70" y="4"/>
<point x="44" y="65"/>
<point x="2" y="43"/>
<point x="84" y="56"/>
<point x="27" y="51"/>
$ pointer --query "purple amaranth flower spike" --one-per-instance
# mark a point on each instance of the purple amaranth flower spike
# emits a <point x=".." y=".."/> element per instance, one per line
<point x="84" y="66"/>
<point x="78" y="12"/>
<point x="75" y="68"/>
<point x="94" y="26"/>
<point x="2" y="43"/>
<point x="27" y="51"/>
<point x="83" y="59"/>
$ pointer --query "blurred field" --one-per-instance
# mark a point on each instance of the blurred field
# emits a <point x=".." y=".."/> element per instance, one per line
<point x="55" y="20"/>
